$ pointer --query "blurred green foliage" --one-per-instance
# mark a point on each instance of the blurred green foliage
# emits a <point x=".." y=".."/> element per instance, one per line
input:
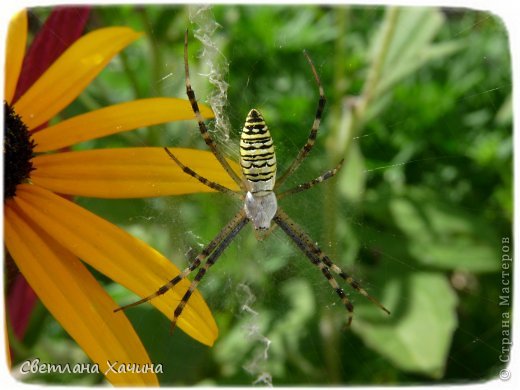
<point x="419" y="105"/>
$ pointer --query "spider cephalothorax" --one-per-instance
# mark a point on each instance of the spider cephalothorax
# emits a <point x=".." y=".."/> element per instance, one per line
<point x="259" y="193"/>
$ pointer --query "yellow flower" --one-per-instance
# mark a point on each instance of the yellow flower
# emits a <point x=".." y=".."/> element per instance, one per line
<point x="47" y="235"/>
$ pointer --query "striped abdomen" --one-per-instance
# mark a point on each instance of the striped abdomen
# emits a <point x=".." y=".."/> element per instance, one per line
<point x="257" y="156"/>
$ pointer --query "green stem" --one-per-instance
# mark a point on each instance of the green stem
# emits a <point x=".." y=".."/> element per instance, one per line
<point x="340" y="86"/>
<point x="156" y="56"/>
<point x="374" y="73"/>
<point x="330" y="199"/>
<point x="352" y="110"/>
<point x="19" y="349"/>
<point x="348" y="116"/>
<point x="329" y="331"/>
<point x="156" y="74"/>
<point x="340" y="78"/>
<point x="131" y="75"/>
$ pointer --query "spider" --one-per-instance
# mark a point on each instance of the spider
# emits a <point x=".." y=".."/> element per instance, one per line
<point x="259" y="196"/>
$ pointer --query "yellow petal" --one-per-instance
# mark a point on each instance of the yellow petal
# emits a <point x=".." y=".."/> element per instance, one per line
<point x="75" y="298"/>
<point x="15" y="50"/>
<point x="115" y="253"/>
<point x="127" y="172"/>
<point x="115" y="119"/>
<point x="71" y="73"/>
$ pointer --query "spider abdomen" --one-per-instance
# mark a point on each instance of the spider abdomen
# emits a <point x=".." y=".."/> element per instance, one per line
<point x="257" y="156"/>
<point x="260" y="209"/>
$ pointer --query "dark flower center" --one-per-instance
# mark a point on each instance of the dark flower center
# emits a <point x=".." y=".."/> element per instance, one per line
<point x="18" y="152"/>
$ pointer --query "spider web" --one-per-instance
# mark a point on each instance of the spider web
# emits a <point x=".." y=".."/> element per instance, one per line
<point x="252" y="327"/>
<point x="217" y="64"/>
<point x="238" y="295"/>
<point x="257" y="363"/>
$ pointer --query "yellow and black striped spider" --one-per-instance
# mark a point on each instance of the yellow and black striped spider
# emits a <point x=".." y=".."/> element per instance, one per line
<point x="259" y="196"/>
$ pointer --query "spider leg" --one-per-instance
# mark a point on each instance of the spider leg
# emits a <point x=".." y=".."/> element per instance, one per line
<point x="237" y="224"/>
<point x="206" y="251"/>
<point x="314" y="130"/>
<point x="287" y="226"/>
<point x="316" y="255"/>
<point x="203" y="180"/>
<point x="305" y="186"/>
<point x="200" y="119"/>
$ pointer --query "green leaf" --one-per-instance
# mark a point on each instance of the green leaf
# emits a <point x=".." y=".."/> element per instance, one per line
<point x="504" y="115"/>
<point x="435" y="232"/>
<point x="352" y="177"/>
<point x="418" y="334"/>
<point x="416" y="28"/>
<point x="404" y="68"/>
<point x="405" y="48"/>
<point x="444" y="235"/>
<point x="259" y="341"/>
